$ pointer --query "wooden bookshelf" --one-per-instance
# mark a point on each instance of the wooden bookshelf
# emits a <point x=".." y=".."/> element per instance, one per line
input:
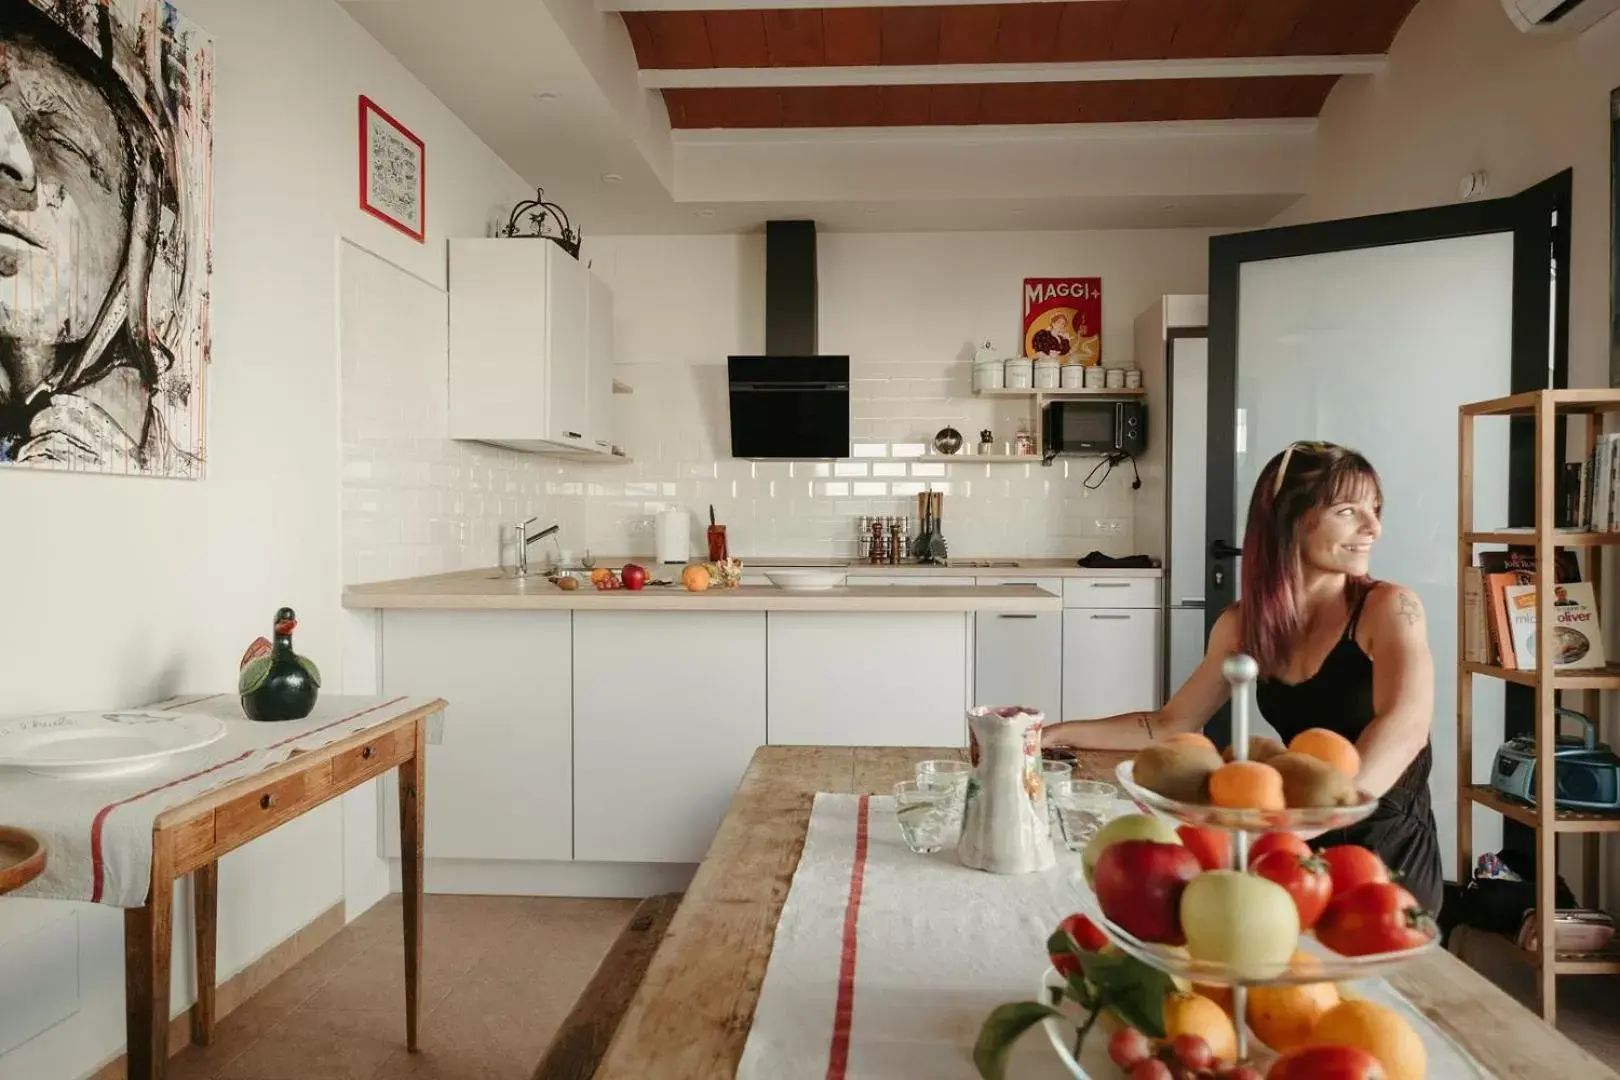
<point x="1548" y="408"/>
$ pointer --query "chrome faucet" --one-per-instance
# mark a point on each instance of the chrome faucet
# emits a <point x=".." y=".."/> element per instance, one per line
<point x="524" y="540"/>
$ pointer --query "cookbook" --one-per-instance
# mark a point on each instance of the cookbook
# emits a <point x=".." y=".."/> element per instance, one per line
<point x="1577" y="642"/>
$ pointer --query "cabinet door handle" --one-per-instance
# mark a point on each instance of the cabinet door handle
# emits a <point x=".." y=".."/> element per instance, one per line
<point x="601" y="442"/>
<point x="1110" y="584"/>
<point x="1016" y="616"/>
<point x="573" y="435"/>
<point x="1026" y="584"/>
<point x="1112" y="617"/>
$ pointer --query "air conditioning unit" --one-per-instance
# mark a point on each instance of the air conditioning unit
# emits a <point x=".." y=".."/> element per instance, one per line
<point x="1558" y="16"/>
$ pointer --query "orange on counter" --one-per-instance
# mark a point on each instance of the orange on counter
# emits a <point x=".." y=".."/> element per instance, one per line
<point x="1380" y="1031"/>
<point x="1328" y="746"/>
<point x="1247" y="785"/>
<point x="695" y="577"/>
<point x="1193" y="1014"/>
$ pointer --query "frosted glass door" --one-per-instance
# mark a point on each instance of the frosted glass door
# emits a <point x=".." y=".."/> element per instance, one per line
<point x="1375" y="349"/>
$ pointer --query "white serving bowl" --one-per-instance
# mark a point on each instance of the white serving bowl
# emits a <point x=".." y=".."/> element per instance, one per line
<point x="805" y="580"/>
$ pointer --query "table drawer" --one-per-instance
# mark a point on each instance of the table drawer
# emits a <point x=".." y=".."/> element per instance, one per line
<point x="1101" y="592"/>
<point x="377" y="756"/>
<point x="248" y="816"/>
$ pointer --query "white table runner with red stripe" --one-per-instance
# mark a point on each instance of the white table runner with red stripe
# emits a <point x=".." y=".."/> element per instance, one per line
<point x="98" y="833"/>
<point x="886" y="962"/>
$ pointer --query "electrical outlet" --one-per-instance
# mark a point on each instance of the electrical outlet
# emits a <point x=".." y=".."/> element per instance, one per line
<point x="1109" y="526"/>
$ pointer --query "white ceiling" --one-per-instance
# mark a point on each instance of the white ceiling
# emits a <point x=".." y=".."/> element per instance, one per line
<point x="552" y="87"/>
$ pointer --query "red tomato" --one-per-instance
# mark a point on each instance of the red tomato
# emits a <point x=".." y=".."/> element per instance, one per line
<point x="1277" y="841"/>
<point x="1086" y="935"/>
<point x="1376" y="917"/>
<point x="1213" y="847"/>
<point x="1306" y="879"/>
<point x="1352" y="865"/>
<point x="1326" y="1063"/>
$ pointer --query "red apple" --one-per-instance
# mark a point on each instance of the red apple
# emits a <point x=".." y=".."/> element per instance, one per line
<point x="1139" y="885"/>
<point x="1212" y="846"/>
<point x="1327" y="1063"/>
<point x="633" y="576"/>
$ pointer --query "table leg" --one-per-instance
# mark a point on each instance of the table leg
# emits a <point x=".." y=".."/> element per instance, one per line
<point x="148" y="941"/>
<point x="205" y="916"/>
<point x="412" y="777"/>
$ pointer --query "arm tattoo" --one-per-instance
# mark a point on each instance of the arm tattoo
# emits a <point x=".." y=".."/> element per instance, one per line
<point x="1145" y="719"/>
<point x="1409" y="610"/>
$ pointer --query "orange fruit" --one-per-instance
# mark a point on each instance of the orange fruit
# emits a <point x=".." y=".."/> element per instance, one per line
<point x="1284" y="1017"/>
<point x="1249" y="785"/>
<point x="1328" y="746"/>
<point x="1380" y="1031"/>
<point x="695" y="577"/>
<point x="1194" y="1014"/>
<point x="1193" y="737"/>
<point x="1220" y="995"/>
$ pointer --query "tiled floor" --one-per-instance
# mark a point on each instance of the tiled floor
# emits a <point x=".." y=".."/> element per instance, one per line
<point x="500" y="974"/>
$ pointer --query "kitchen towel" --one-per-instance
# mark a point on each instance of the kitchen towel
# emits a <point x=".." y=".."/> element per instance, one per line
<point x="886" y="962"/>
<point x="98" y="833"/>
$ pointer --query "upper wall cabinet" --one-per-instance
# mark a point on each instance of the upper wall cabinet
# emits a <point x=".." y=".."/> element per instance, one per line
<point x="531" y="348"/>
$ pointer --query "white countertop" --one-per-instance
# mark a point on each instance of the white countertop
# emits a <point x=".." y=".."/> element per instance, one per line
<point x="966" y="567"/>
<point x="487" y="590"/>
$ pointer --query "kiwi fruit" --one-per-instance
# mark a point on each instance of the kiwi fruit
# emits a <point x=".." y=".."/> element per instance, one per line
<point x="1309" y="781"/>
<point x="1261" y="748"/>
<point x="1178" y="770"/>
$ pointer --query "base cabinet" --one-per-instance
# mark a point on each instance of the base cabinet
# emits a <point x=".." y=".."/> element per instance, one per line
<point x="1110" y="662"/>
<point x="499" y="782"/>
<point x="1018" y="660"/>
<point x="668" y="710"/>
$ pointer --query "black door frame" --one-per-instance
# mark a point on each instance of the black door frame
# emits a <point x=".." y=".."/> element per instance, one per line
<point x="1540" y="245"/>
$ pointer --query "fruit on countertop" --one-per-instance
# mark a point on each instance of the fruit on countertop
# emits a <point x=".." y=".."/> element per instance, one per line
<point x="1125" y="827"/>
<point x="1193" y="1051"/>
<point x="1247" y="785"/>
<point x="1305" y="877"/>
<point x="1193" y="1014"/>
<point x="633" y="576"/>
<point x="1152" y="1069"/>
<point x="1283" y="1017"/>
<point x="1277" y="841"/>
<point x="1378" y="1031"/>
<point x="1139" y="886"/>
<point x="1178" y="770"/>
<point x="1330" y="747"/>
<point x="1085" y="935"/>
<point x="1310" y="781"/>
<point x="567" y="584"/>
<point x="1213" y="847"/>
<point x="1238" y="919"/>
<point x="1376" y="917"/>
<point x="695" y="578"/>
<point x="1327" y="1063"/>
<point x="1261" y="748"/>
<point x="1352" y="865"/>
<point x="1128" y="1048"/>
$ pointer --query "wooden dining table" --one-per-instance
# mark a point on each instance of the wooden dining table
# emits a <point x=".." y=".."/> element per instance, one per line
<point x="692" y="1014"/>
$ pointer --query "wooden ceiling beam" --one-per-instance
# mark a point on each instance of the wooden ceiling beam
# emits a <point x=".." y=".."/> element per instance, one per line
<point x="703" y="78"/>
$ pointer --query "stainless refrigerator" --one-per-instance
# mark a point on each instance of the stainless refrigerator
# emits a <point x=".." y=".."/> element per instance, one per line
<point x="1187" y="379"/>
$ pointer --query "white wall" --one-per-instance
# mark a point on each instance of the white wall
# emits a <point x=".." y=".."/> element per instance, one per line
<point x="1466" y="91"/>
<point x="122" y="591"/>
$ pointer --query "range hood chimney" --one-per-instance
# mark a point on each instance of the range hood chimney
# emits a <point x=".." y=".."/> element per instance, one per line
<point x="790" y="288"/>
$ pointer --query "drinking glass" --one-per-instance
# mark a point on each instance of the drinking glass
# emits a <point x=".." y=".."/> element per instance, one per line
<point x="1083" y="807"/>
<point x="928" y="813"/>
<point x="1055" y="775"/>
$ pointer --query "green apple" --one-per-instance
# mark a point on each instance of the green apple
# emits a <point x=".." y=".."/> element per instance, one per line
<point x="1240" y="920"/>
<point x="1128" y="827"/>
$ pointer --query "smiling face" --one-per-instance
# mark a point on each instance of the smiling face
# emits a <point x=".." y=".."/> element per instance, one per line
<point x="1338" y="538"/>
<point x="64" y="207"/>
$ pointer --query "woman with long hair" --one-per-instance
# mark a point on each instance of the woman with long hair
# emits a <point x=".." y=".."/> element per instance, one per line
<point x="1337" y="649"/>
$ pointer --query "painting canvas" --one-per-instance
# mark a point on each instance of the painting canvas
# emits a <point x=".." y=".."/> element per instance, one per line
<point x="105" y="184"/>
<point x="392" y="171"/>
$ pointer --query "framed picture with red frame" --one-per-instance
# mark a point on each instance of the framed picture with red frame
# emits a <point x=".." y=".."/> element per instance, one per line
<point x="393" y="171"/>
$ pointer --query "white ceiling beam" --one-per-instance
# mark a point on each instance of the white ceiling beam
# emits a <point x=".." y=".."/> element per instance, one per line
<point x="761" y="5"/>
<point x="939" y="74"/>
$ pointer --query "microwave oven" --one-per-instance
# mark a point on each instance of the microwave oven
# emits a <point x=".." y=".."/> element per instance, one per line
<point x="1095" y="427"/>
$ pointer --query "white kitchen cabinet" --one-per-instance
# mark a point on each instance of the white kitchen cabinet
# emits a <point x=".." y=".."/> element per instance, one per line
<point x="668" y="710"/>
<point x="520" y="340"/>
<point x="833" y="679"/>
<point x="499" y="782"/>
<point x="1018" y="660"/>
<point x="599" y="422"/>
<point x="1099" y="592"/>
<point x="1110" y="662"/>
<point x="915" y="581"/>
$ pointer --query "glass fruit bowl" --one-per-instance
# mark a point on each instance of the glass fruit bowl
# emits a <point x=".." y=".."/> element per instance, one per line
<point x="1301" y="819"/>
<point x="1313" y="962"/>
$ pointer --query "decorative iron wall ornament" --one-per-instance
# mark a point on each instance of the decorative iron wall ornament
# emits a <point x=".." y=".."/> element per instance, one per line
<point x="538" y="219"/>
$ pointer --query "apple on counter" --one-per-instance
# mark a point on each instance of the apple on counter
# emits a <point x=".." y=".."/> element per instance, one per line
<point x="633" y="576"/>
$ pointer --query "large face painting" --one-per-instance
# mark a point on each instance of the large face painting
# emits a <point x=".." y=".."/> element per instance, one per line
<point x="105" y="183"/>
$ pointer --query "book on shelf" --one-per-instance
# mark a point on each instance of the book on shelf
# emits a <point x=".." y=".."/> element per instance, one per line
<point x="1500" y="570"/>
<point x="1476" y="644"/>
<point x="1577" y="638"/>
<point x="1590" y="500"/>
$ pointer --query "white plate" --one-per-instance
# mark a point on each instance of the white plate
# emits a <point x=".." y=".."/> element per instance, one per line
<point x="97" y="745"/>
<point x="806" y="579"/>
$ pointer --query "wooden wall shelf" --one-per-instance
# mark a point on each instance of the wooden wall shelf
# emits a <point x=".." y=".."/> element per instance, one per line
<point x="1564" y="821"/>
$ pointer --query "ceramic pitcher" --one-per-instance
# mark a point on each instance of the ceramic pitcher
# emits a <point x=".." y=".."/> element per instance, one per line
<point x="1005" y="828"/>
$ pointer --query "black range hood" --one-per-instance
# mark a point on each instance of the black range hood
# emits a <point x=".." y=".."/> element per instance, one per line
<point x="792" y="402"/>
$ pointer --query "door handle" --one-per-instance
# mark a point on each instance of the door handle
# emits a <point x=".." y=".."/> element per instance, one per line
<point x="1007" y="616"/>
<point x="1110" y="584"/>
<point x="1111" y="617"/>
<point x="1220" y="549"/>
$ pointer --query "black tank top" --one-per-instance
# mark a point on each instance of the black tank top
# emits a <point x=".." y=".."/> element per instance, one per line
<point x="1339" y="697"/>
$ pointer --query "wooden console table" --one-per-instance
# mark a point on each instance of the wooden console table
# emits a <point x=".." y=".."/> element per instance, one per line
<point x="191" y="837"/>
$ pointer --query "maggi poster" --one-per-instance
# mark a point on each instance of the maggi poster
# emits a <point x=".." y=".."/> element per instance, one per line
<point x="1063" y="319"/>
